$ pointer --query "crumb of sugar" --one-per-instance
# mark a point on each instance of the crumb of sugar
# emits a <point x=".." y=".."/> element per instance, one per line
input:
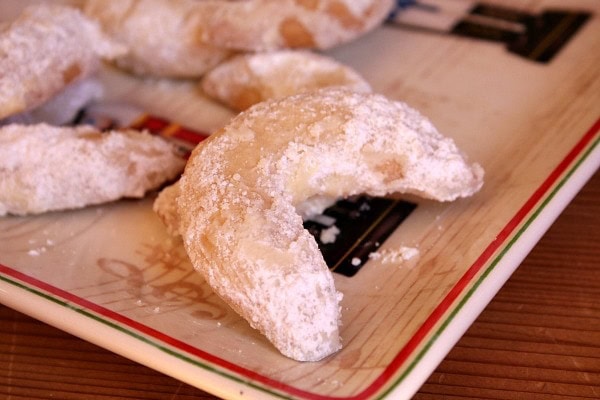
<point x="394" y="256"/>
<point x="329" y="235"/>
<point x="37" y="251"/>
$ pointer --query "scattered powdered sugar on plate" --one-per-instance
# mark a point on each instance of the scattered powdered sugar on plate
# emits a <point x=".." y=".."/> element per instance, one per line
<point x="329" y="235"/>
<point x="394" y="256"/>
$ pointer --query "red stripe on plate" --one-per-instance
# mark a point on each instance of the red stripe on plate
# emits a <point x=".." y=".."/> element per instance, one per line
<point x="162" y="127"/>
<point x="189" y="135"/>
<point x="152" y="123"/>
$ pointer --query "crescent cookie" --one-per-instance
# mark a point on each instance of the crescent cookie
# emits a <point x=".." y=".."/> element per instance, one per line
<point x="242" y="187"/>
<point x="247" y="79"/>
<point x="160" y="35"/>
<point x="185" y="38"/>
<point x="45" y="168"/>
<point x="262" y="25"/>
<point x="43" y="50"/>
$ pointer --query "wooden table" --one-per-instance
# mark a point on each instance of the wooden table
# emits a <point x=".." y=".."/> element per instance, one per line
<point x="538" y="339"/>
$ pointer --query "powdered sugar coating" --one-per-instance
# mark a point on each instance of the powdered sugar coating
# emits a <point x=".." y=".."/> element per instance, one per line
<point x="247" y="79"/>
<point x="263" y="25"/>
<point x="161" y="36"/>
<point x="244" y="234"/>
<point x="45" y="168"/>
<point x="46" y="48"/>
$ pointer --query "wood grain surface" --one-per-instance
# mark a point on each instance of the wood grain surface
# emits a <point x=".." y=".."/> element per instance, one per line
<point x="538" y="339"/>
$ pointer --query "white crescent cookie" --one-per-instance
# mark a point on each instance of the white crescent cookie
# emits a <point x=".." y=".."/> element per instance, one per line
<point x="262" y="25"/>
<point x="160" y="35"/>
<point x="185" y="38"/>
<point x="242" y="188"/>
<point x="46" y="48"/>
<point x="247" y="79"/>
<point x="45" y="168"/>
